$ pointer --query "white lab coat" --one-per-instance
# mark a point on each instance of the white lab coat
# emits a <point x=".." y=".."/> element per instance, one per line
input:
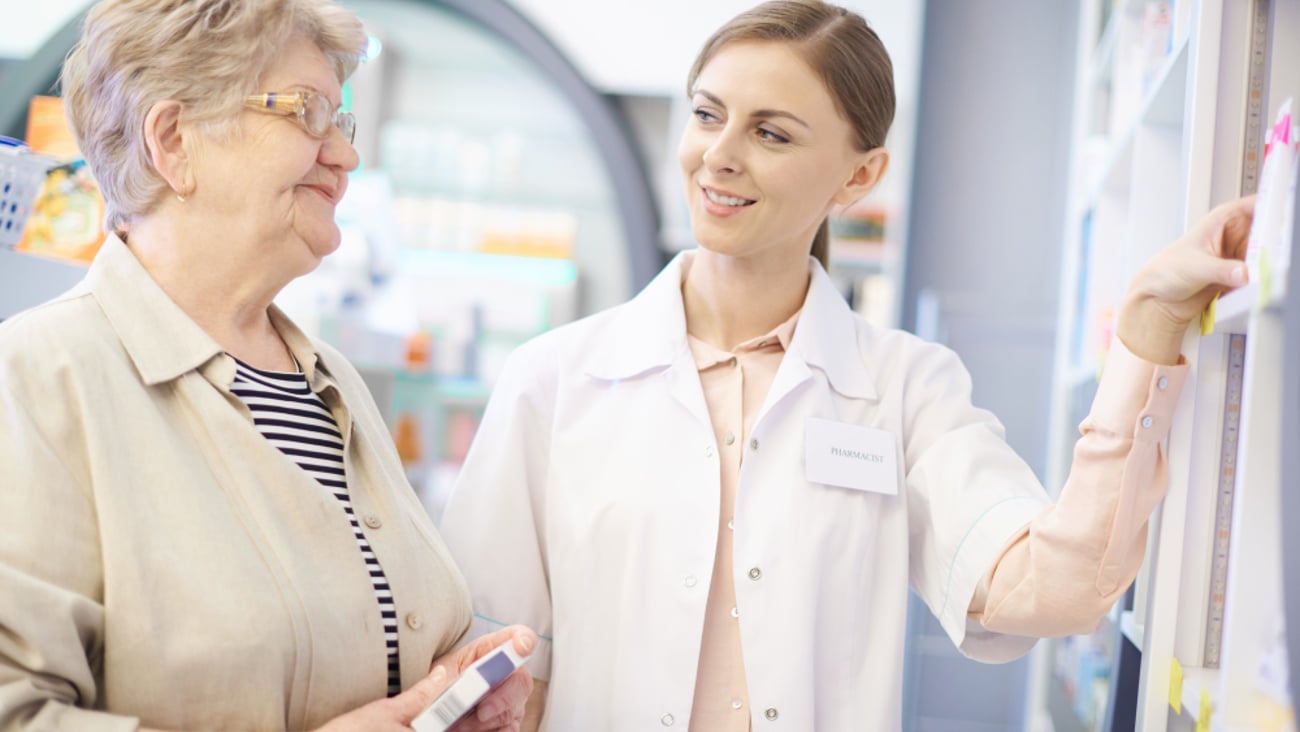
<point x="588" y="509"/>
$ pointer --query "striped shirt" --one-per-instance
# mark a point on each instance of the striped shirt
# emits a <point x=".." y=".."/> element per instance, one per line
<point x="297" y="422"/>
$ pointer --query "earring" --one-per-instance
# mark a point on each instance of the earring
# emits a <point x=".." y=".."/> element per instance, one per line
<point x="182" y="197"/>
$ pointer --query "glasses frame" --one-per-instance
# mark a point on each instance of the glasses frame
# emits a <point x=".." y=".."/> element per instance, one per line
<point x="295" y="104"/>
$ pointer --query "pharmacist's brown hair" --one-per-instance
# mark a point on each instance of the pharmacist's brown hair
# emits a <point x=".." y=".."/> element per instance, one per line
<point x="839" y="46"/>
<point x="206" y="54"/>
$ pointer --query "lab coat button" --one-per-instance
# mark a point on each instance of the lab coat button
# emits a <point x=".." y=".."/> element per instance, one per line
<point x="730" y="438"/>
<point x="753" y="444"/>
<point x="1162" y="384"/>
<point x="708" y="451"/>
<point x="771" y="714"/>
<point x="667" y="720"/>
<point x="689" y="581"/>
<point x="373" y="521"/>
<point x="735" y="612"/>
<point x="755" y="573"/>
<point x="1146" y="422"/>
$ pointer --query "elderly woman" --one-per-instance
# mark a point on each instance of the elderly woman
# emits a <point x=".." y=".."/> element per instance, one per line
<point x="203" y="522"/>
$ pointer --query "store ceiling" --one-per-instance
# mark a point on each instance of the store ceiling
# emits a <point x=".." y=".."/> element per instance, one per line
<point x="622" y="47"/>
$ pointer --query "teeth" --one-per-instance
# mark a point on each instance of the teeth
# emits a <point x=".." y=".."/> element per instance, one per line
<point x="726" y="200"/>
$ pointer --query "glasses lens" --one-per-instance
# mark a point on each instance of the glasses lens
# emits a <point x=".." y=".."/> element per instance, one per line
<point x="318" y="115"/>
<point x="347" y="125"/>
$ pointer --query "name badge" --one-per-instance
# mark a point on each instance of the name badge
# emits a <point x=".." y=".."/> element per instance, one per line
<point x="851" y="456"/>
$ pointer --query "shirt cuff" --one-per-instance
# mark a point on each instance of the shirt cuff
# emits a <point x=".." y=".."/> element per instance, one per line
<point x="1137" y="397"/>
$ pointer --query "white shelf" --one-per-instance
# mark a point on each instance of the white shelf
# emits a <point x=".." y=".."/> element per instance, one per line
<point x="1174" y="151"/>
<point x="1233" y="312"/>
<point x="1195" y="681"/>
<point x="1131" y="628"/>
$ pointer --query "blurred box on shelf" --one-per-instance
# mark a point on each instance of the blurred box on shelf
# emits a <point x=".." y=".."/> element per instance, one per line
<point x="66" y="219"/>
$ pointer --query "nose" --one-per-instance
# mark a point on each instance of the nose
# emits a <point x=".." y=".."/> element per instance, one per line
<point x="724" y="152"/>
<point x="337" y="152"/>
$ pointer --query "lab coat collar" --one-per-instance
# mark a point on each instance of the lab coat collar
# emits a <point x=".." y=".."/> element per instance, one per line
<point x="649" y="332"/>
<point x="831" y="338"/>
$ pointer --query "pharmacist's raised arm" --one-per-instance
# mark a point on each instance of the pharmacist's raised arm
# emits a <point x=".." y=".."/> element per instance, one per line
<point x="1074" y="560"/>
<point x="1175" y="285"/>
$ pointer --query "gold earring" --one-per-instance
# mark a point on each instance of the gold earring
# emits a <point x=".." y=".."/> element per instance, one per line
<point x="182" y="197"/>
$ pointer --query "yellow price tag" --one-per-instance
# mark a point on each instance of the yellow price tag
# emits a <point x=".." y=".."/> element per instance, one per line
<point x="1176" y="685"/>
<point x="1207" y="317"/>
<point x="1205" y="712"/>
<point x="1265" y="280"/>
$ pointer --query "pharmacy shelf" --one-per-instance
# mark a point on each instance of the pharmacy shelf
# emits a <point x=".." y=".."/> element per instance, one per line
<point x="1165" y="160"/>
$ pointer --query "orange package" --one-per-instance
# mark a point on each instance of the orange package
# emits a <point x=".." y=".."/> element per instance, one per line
<point x="66" y="220"/>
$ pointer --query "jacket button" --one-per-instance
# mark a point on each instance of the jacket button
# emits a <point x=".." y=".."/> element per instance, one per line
<point x="771" y="714"/>
<point x="373" y="521"/>
<point x="414" y="621"/>
<point x="755" y="573"/>
<point x="666" y="720"/>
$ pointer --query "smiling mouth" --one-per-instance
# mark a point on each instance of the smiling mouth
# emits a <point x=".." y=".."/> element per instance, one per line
<point x="325" y="193"/>
<point x="724" y="200"/>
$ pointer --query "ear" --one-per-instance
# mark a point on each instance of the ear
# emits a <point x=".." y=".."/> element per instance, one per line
<point x="164" y="137"/>
<point x="868" y="169"/>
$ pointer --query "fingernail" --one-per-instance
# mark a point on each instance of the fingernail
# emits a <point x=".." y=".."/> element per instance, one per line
<point x="438" y="675"/>
<point x="527" y="643"/>
<point x="1239" y="275"/>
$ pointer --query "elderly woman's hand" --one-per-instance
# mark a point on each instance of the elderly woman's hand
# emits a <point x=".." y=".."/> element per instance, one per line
<point x="1176" y="284"/>
<point x="503" y="709"/>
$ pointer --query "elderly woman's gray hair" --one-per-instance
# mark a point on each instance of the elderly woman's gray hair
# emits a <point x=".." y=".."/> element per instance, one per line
<point x="206" y="54"/>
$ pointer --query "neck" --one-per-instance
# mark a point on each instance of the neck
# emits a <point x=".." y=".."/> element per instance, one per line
<point x="729" y="300"/>
<point x="227" y="296"/>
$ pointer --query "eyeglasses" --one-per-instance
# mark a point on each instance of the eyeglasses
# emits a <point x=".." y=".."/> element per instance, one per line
<point x="314" y="112"/>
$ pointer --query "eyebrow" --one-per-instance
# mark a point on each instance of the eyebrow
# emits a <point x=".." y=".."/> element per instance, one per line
<point x="761" y="113"/>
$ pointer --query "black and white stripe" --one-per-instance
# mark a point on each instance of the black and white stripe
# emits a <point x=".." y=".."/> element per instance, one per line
<point x="296" y="420"/>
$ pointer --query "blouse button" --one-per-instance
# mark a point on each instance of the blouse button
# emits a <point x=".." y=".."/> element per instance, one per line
<point x="373" y="521"/>
<point x="1162" y="384"/>
<point x="1146" y="422"/>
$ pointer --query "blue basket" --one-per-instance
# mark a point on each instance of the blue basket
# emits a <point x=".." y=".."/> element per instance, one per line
<point x="22" y="173"/>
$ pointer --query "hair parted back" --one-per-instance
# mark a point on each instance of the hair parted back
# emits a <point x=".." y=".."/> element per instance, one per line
<point x="839" y="46"/>
<point x="206" y="54"/>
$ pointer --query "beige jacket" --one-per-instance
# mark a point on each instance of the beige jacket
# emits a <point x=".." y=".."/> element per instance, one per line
<point x="161" y="563"/>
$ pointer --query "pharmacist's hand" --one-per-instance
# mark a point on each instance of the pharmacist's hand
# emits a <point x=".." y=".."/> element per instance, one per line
<point x="1176" y="285"/>
<point x="393" y="714"/>
<point x="503" y="709"/>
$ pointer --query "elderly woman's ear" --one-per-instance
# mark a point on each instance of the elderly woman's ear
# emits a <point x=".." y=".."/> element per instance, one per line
<point x="165" y="139"/>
